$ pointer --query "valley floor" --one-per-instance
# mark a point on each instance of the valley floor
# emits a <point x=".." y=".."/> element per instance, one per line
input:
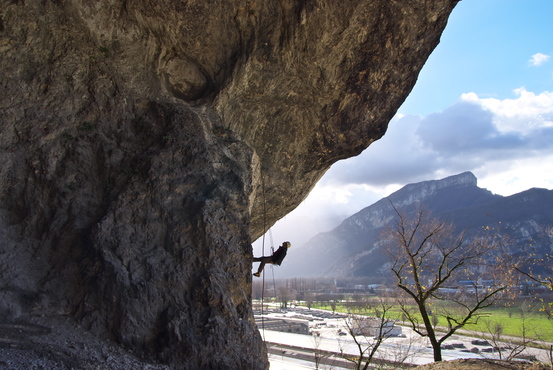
<point x="299" y="351"/>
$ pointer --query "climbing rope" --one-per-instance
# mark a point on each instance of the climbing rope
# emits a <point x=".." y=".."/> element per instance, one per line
<point x="262" y="254"/>
<point x="272" y="266"/>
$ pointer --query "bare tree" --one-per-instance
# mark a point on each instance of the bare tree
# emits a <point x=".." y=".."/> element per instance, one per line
<point x="318" y="353"/>
<point x="285" y="295"/>
<point x="309" y="300"/>
<point x="358" y="304"/>
<point x="368" y="334"/>
<point x="333" y="304"/>
<point x="428" y="253"/>
<point x="539" y="269"/>
<point x="506" y="347"/>
<point x="398" y="354"/>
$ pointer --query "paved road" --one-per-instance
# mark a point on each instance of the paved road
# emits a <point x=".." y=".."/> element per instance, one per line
<point x="301" y="348"/>
<point x="288" y="357"/>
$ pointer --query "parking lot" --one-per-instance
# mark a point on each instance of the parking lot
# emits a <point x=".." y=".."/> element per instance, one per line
<point x="328" y="338"/>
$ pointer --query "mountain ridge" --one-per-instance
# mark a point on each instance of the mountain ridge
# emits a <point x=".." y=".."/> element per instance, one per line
<point x="352" y="248"/>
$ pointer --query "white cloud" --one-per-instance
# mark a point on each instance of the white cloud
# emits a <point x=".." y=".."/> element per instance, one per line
<point x="526" y="104"/>
<point x="526" y="113"/>
<point x="519" y="175"/>
<point x="538" y="59"/>
<point x="507" y="144"/>
<point x="496" y="139"/>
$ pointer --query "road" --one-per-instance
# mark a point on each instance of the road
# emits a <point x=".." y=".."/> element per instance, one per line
<point x="297" y="351"/>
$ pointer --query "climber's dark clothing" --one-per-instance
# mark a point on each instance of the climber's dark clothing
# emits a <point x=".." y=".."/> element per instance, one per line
<point x="279" y="255"/>
<point x="275" y="259"/>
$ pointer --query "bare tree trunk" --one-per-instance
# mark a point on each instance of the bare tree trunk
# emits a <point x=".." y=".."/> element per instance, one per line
<point x="436" y="346"/>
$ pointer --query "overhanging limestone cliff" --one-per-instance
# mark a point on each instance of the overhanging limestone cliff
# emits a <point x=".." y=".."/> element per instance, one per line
<point x="142" y="141"/>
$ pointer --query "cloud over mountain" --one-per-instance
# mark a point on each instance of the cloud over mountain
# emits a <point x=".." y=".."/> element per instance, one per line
<point x="474" y="134"/>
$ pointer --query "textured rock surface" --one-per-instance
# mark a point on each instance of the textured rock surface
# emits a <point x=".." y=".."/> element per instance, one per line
<point x="141" y="141"/>
<point x="56" y="343"/>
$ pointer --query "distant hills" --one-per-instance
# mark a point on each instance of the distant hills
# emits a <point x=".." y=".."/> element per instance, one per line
<point x="352" y="249"/>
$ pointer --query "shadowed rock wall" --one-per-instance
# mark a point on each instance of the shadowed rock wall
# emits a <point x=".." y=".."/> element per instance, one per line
<point x="141" y="141"/>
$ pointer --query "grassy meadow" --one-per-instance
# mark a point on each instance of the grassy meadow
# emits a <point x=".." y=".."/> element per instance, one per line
<point x="516" y="319"/>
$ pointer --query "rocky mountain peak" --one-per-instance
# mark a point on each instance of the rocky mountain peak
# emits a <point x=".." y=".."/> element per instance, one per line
<point x="462" y="179"/>
<point x="351" y="249"/>
<point x="380" y="213"/>
<point x="418" y="192"/>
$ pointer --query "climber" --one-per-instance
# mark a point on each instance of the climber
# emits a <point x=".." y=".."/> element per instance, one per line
<point x="275" y="259"/>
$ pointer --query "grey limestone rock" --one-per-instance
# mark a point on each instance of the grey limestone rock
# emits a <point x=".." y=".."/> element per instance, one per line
<point x="144" y="144"/>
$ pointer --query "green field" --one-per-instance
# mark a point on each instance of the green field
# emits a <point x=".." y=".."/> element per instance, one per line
<point x="534" y="324"/>
<point x="515" y="319"/>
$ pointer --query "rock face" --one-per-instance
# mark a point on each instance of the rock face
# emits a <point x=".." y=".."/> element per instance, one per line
<point x="145" y="143"/>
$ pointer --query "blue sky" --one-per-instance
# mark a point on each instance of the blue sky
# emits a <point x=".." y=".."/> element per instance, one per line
<point x="485" y="49"/>
<point x="483" y="103"/>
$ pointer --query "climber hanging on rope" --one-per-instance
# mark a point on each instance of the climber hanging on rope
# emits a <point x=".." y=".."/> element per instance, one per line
<point x="275" y="259"/>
